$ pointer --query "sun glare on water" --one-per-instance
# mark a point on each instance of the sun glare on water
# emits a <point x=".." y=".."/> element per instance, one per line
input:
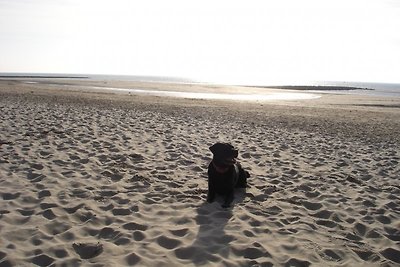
<point x="270" y="96"/>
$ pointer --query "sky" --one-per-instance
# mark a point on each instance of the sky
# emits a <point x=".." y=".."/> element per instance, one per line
<point x="226" y="41"/>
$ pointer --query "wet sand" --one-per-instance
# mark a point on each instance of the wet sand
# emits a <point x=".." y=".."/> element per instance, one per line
<point x="96" y="178"/>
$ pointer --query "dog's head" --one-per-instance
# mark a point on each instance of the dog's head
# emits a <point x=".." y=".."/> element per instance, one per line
<point x="224" y="154"/>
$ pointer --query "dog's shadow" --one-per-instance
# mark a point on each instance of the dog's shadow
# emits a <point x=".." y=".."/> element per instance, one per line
<point x="211" y="238"/>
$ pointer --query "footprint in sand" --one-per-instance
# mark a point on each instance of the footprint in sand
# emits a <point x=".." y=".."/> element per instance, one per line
<point x="88" y="250"/>
<point x="49" y="215"/>
<point x="391" y="254"/>
<point x="180" y="232"/>
<point x="10" y="196"/>
<point x="42" y="260"/>
<point x="132" y="259"/>
<point x="44" y="193"/>
<point x="168" y="243"/>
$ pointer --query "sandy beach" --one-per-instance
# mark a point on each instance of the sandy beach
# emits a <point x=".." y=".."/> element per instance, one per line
<point x="98" y="178"/>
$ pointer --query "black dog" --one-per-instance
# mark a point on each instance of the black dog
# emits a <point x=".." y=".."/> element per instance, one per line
<point x="224" y="173"/>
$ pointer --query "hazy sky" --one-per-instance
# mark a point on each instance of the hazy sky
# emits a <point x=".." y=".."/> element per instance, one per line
<point x="251" y="42"/>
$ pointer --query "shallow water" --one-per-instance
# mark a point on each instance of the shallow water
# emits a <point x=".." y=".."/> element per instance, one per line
<point x="267" y="96"/>
<point x="219" y="96"/>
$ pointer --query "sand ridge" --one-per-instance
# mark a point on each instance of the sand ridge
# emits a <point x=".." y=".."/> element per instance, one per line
<point x="94" y="182"/>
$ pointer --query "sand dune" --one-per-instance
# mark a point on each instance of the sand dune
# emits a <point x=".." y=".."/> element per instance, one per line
<point x="102" y="180"/>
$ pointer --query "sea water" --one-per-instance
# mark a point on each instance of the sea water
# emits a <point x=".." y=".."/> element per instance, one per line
<point x="373" y="89"/>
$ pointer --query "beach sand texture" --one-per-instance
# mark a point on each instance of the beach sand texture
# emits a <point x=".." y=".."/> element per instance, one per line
<point x="112" y="180"/>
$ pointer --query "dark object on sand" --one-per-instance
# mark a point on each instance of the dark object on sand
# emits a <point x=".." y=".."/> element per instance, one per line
<point x="224" y="173"/>
<point x="88" y="250"/>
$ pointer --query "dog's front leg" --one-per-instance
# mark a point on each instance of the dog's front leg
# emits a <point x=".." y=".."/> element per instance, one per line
<point x="210" y="196"/>
<point x="228" y="199"/>
<point x="211" y="192"/>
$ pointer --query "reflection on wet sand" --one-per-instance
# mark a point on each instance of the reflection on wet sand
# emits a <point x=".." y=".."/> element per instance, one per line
<point x="268" y="96"/>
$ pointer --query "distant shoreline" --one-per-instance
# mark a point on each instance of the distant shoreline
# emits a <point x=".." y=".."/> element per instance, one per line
<point x="42" y="77"/>
<point x="315" y="87"/>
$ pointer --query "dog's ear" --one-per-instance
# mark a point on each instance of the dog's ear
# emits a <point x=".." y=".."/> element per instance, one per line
<point x="235" y="153"/>
<point x="215" y="148"/>
<point x="219" y="148"/>
<point x="224" y="150"/>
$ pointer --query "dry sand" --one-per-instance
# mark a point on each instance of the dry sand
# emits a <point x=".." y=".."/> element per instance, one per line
<point x="96" y="179"/>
